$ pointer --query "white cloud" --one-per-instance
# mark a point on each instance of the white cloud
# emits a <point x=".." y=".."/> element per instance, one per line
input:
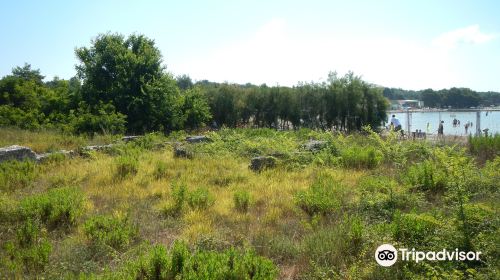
<point x="470" y="35"/>
<point x="274" y="54"/>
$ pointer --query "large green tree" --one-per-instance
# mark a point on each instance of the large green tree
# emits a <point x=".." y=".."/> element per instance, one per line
<point x="128" y="73"/>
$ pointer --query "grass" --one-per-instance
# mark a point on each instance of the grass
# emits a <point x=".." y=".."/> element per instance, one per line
<point x="118" y="214"/>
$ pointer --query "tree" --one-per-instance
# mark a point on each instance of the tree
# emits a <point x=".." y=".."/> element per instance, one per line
<point x="195" y="108"/>
<point x="128" y="74"/>
<point x="28" y="74"/>
<point x="184" y="82"/>
<point x="431" y="98"/>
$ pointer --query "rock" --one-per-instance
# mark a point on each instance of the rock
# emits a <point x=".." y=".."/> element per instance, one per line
<point x="45" y="156"/>
<point x="262" y="162"/>
<point x="16" y="152"/>
<point x="197" y="139"/>
<point x="314" y="145"/>
<point x="98" y="147"/>
<point x="182" y="152"/>
<point x="130" y="138"/>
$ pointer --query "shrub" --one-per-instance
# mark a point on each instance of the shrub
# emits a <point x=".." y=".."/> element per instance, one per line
<point x="55" y="208"/>
<point x="414" y="229"/>
<point x="426" y="176"/>
<point x="17" y="174"/>
<point x="126" y="166"/>
<point x="335" y="245"/>
<point x="241" y="200"/>
<point x="323" y="197"/>
<point x="8" y="208"/>
<point x="101" y="119"/>
<point x="161" y="170"/>
<point x="176" y="206"/>
<point x="31" y="249"/>
<point x="111" y="231"/>
<point x="180" y="263"/>
<point x="381" y="196"/>
<point x="490" y="175"/>
<point x="361" y="157"/>
<point x="200" y="199"/>
<point x="485" y="148"/>
<point x="479" y="218"/>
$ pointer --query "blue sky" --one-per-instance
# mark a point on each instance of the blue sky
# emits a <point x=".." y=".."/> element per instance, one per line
<point x="408" y="44"/>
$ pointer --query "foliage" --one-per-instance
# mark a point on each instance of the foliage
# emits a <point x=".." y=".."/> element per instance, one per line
<point x="241" y="200"/>
<point x="126" y="165"/>
<point x="176" y="205"/>
<point x="324" y="196"/>
<point x="200" y="198"/>
<point x="414" y="230"/>
<point x="111" y="231"/>
<point x="180" y="263"/>
<point x="361" y="157"/>
<point x="56" y="208"/>
<point x="15" y="175"/>
<point x="427" y="176"/>
<point x="32" y="249"/>
<point x="161" y="170"/>
<point x="485" y="148"/>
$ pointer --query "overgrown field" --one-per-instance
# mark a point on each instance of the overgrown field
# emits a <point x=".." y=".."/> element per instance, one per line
<point x="136" y="211"/>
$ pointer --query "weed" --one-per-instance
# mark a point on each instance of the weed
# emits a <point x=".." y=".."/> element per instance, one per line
<point x="426" y="176"/>
<point x="241" y="200"/>
<point x="323" y="197"/>
<point x="200" y="199"/>
<point x="110" y="231"/>
<point x="361" y="157"/>
<point x="17" y="175"/>
<point x="56" y="208"/>
<point x="175" y="207"/>
<point x="414" y="229"/>
<point x="161" y="170"/>
<point x="126" y="166"/>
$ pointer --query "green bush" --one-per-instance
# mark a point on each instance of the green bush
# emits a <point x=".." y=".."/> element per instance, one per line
<point x="126" y="166"/>
<point x="101" y="118"/>
<point x="56" y="208"/>
<point x="175" y="207"/>
<point x="161" y="170"/>
<point x="381" y="196"/>
<point x="241" y="200"/>
<point x="335" y="245"/>
<point x="427" y="176"/>
<point x="479" y="218"/>
<point x="355" y="156"/>
<point x="324" y="196"/>
<point x="415" y="229"/>
<point x="31" y="249"/>
<point x="200" y="199"/>
<point x="180" y="263"/>
<point x="8" y="208"/>
<point x="485" y="148"/>
<point x="490" y="176"/>
<point x="111" y="231"/>
<point x="17" y="174"/>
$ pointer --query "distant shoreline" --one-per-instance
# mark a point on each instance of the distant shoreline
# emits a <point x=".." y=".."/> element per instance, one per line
<point x="445" y="110"/>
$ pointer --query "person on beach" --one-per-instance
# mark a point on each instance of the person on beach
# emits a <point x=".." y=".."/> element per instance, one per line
<point x="441" y="130"/>
<point x="395" y="123"/>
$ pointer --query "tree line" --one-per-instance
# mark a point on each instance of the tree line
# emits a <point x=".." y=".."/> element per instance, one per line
<point x="122" y="86"/>
<point x="444" y="98"/>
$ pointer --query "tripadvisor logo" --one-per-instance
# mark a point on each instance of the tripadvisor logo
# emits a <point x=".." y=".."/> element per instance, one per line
<point x="387" y="255"/>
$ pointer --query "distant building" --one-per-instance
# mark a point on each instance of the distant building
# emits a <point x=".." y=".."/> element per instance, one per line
<point x="406" y="104"/>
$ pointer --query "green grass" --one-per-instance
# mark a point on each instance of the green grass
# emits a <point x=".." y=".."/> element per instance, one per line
<point x="137" y="212"/>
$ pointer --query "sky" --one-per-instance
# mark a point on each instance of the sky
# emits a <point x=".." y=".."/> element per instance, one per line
<point x="404" y="44"/>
